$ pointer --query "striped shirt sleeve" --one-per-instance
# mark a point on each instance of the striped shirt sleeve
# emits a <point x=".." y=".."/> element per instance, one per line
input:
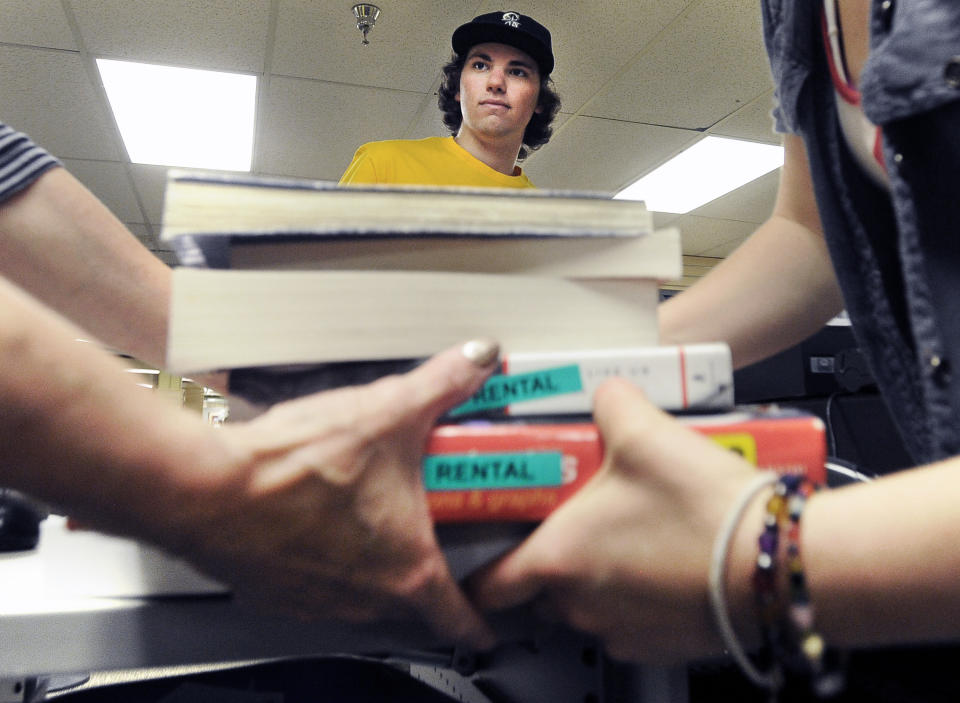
<point x="21" y="161"/>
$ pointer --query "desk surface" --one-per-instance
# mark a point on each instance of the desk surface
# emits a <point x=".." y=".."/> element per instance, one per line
<point x="83" y="601"/>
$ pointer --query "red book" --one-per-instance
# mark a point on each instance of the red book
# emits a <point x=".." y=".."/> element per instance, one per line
<point x="482" y="472"/>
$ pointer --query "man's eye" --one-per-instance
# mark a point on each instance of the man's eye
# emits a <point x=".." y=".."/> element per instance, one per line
<point x="521" y="73"/>
<point x="479" y="65"/>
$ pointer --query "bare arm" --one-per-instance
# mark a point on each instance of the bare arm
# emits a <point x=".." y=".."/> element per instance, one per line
<point x="61" y="399"/>
<point x="58" y="242"/>
<point x="877" y="562"/>
<point x="775" y="290"/>
<point x="63" y="246"/>
<point x="315" y="508"/>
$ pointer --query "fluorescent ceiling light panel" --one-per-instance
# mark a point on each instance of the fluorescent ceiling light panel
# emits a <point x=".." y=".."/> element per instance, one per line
<point x="182" y="116"/>
<point x="710" y="168"/>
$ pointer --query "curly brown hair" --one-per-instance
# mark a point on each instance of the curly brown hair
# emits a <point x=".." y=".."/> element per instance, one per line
<point x="538" y="130"/>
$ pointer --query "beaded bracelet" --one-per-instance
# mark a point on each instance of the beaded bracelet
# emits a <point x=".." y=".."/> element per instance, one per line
<point x="717" y="578"/>
<point x="790" y="642"/>
<point x="793" y="642"/>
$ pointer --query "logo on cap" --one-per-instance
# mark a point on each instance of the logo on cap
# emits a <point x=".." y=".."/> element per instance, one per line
<point x="511" y="18"/>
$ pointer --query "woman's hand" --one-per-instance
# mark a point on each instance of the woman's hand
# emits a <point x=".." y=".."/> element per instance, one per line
<point x="325" y="514"/>
<point x="627" y="558"/>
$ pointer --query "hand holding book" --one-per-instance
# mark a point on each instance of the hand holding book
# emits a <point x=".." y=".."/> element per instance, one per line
<point x="326" y="497"/>
<point x="626" y="558"/>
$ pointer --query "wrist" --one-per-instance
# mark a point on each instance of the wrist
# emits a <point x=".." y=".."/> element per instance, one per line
<point x="181" y="474"/>
<point x="784" y="615"/>
<point x="741" y="567"/>
<point x="196" y="485"/>
<point x="731" y="569"/>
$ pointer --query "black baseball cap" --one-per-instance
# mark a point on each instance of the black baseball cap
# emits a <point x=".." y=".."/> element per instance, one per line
<point x="510" y="28"/>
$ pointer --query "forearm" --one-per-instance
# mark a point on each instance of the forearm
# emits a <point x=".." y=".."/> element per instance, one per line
<point x="879" y="560"/>
<point x="58" y="242"/>
<point x="774" y="291"/>
<point x="75" y="431"/>
<point x="314" y="509"/>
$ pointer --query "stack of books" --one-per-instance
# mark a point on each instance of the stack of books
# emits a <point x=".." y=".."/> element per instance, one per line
<point x="297" y="286"/>
<point x="300" y="272"/>
<point x="522" y="471"/>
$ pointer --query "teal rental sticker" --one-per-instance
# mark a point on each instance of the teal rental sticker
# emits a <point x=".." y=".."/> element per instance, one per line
<point x="505" y="389"/>
<point x="458" y="472"/>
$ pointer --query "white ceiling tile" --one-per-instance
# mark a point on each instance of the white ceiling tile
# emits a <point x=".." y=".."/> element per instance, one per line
<point x="602" y="155"/>
<point x="532" y="157"/>
<point x="143" y="233"/>
<point x="167" y="257"/>
<point x="108" y="180"/>
<point x="213" y="34"/>
<point x="706" y="65"/>
<point x="311" y="129"/>
<point x="752" y="122"/>
<point x="752" y="202"/>
<point x="408" y="45"/>
<point x="35" y="23"/>
<point x="48" y="95"/>
<point x="428" y="121"/>
<point x="703" y="235"/>
<point x="665" y="219"/>
<point x="150" y="182"/>
<point x="724" y="250"/>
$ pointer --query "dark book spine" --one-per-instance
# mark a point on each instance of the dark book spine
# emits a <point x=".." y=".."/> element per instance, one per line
<point x="269" y="385"/>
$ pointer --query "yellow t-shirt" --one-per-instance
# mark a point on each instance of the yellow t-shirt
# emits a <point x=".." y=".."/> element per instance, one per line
<point x="434" y="161"/>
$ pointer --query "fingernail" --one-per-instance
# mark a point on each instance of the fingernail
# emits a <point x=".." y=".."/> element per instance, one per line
<point x="482" y="352"/>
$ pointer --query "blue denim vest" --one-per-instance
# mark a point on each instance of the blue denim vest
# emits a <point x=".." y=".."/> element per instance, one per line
<point x="897" y="254"/>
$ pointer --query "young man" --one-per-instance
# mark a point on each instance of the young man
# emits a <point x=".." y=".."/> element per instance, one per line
<point x="498" y="102"/>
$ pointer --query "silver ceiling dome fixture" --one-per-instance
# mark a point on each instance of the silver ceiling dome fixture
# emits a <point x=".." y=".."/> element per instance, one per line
<point x="366" y="16"/>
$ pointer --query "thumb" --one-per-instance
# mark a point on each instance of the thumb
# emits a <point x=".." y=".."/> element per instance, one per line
<point x="450" y="377"/>
<point x="511" y="580"/>
<point x="620" y="407"/>
<point x="632" y="425"/>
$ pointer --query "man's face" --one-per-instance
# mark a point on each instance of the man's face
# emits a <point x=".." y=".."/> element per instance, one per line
<point x="499" y="88"/>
